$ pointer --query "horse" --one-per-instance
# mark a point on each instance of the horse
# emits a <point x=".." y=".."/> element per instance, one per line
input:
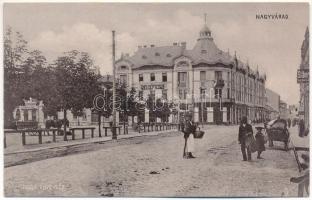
<point x="58" y="123"/>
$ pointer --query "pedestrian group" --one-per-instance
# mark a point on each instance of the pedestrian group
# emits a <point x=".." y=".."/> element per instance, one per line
<point x="249" y="143"/>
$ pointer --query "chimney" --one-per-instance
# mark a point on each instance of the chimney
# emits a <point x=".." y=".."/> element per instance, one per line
<point x="175" y="44"/>
<point x="183" y="45"/>
<point x="152" y="45"/>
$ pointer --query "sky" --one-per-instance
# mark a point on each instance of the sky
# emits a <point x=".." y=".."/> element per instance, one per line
<point x="271" y="44"/>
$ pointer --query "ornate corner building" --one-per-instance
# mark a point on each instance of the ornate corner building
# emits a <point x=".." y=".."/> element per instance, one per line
<point x="219" y="87"/>
<point x="303" y="80"/>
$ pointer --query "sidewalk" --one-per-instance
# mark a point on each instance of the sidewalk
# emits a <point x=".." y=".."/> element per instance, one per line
<point x="297" y="141"/>
<point x="37" y="147"/>
<point x="32" y="143"/>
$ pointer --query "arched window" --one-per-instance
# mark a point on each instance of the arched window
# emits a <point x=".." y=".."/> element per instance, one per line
<point x="33" y="115"/>
<point x="26" y="115"/>
<point x="18" y="114"/>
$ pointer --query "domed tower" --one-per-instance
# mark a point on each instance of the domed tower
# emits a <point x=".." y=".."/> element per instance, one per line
<point x="205" y="32"/>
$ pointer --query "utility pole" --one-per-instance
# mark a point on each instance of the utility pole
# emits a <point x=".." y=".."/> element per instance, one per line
<point x="114" y="135"/>
<point x="202" y="109"/>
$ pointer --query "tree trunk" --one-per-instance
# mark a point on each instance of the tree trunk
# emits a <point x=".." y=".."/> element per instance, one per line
<point x="99" y="120"/>
<point x="65" y="120"/>
<point x="124" y="123"/>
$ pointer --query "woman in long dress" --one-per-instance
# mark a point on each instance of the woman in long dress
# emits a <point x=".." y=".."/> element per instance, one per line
<point x="189" y="147"/>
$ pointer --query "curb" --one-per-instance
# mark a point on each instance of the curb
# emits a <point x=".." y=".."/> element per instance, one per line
<point x="81" y="143"/>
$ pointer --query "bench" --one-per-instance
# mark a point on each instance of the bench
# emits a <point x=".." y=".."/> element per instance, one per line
<point x="83" y="131"/>
<point x="109" y="127"/>
<point x="152" y="126"/>
<point x="36" y="131"/>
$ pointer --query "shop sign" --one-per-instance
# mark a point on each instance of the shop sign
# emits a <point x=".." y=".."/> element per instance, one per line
<point x="303" y="76"/>
<point x="150" y="87"/>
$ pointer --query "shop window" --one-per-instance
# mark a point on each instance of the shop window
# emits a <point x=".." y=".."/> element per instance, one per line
<point x="164" y="94"/>
<point x="152" y="94"/>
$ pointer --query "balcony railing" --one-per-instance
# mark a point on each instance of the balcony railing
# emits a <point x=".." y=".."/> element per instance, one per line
<point x="181" y="84"/>
<point x="219" y="83"/>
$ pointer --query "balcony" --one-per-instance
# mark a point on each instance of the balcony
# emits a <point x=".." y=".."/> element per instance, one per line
<point x="181" y="84"/>
<point x="219" y="83"/>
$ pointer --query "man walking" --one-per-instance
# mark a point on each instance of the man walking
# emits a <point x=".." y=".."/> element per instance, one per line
<point x="245" y="131"/>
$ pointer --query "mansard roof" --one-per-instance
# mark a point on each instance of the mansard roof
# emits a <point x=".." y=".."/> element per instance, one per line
<point x="164" y="55"/>
<point x="207" y="51"/>
<point x="204" y="51"/>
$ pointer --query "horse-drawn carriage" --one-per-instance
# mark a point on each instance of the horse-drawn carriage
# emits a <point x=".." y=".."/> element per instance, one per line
<point x="58" y="123"/>
<point x="277" y="131"/>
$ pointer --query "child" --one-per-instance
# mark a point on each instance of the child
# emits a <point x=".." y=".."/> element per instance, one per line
<point x="260" y="141"/>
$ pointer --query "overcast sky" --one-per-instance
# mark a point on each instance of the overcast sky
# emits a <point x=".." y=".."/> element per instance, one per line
<point x="274" y="45"/>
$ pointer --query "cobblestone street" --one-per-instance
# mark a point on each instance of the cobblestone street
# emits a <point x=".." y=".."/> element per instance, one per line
<point x="154" y="168"/>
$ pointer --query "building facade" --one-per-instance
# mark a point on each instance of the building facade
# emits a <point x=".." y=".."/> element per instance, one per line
<point x="303" y="80"/>
<point x="283" y="110"/>
<point x="273" y="104"/>
<point x="216" y="86"/>
<point x="30" y="112"/>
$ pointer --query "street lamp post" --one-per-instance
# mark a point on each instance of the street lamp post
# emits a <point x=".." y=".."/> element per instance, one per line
<point x="210" y="95"/>
<point x="114" y="135"/>
<point x="202" y="112"/>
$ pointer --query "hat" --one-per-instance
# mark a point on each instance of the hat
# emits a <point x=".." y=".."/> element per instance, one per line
<point x="259" y="128"/>
<point x="244" y="120"/>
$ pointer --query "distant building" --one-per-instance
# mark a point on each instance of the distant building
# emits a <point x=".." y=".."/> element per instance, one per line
<point x="293" y="111"/>
<point x="29" y="114"/>
<point x="273" y="104"/>
<point x="283" y="110"/>
<point x="303" y="80"/>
